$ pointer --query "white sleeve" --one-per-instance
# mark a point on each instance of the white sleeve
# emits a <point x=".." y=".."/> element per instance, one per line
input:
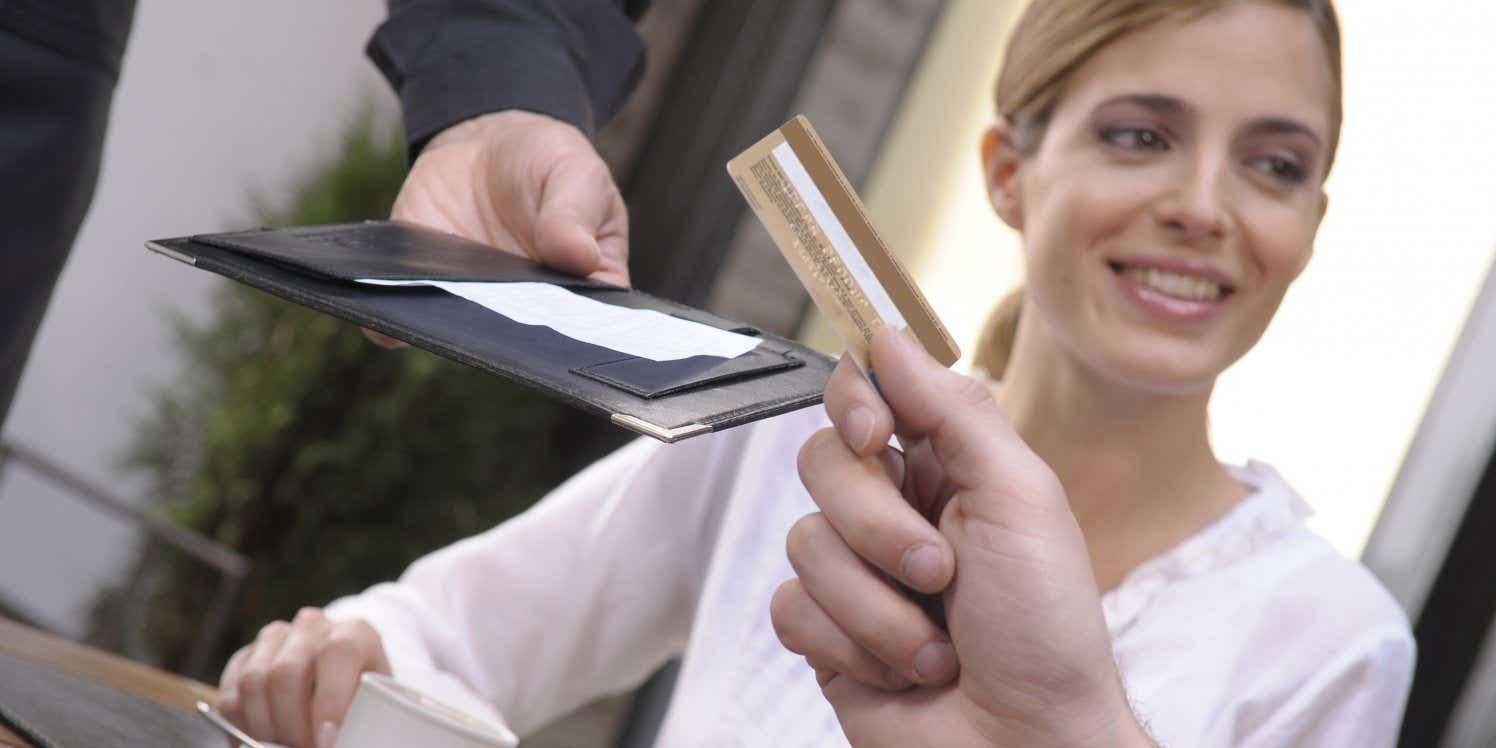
<point x="584" y="594"/>
<point x="1356" y="699"/>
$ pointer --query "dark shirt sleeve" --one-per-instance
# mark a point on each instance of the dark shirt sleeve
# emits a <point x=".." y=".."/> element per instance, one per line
<point x="451" y="60"/>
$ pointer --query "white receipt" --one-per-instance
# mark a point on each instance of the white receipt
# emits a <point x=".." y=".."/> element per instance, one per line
<point x="637" y="332"/>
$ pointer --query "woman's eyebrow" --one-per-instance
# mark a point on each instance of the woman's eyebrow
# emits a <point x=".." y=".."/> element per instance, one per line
<point x="1282" y="126"/>
<point x="1170" y="105"/>
<point x="1159" y="103"/>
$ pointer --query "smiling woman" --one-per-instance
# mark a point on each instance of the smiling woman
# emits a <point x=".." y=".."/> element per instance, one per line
<point x="1164" y="163"/>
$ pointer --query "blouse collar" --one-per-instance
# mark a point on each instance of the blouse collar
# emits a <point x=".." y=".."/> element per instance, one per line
<point x="1271" y="511"/>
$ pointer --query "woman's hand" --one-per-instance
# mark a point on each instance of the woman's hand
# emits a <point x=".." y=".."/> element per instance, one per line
<point x="525" y="183"/>
<point x="294" y="683"/>
<point x="1022" y="609"/>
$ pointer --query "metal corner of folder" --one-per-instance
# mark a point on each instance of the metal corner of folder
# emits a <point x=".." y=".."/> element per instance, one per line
<point x="160" y="248"/>
<point x="663" y="433"/>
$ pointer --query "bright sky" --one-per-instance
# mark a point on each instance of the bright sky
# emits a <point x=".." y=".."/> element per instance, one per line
<point x="1334" y="392"/>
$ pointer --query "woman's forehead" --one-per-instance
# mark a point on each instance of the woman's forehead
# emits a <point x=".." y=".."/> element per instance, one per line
<point x="1247" y="59"/>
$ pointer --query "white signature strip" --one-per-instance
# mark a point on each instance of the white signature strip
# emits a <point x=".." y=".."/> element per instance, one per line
<point x="840" y="241"/>
<point x="637" y="332"/>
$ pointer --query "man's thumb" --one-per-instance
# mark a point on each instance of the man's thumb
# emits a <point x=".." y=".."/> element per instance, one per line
<point x="573" y="210"/>
<point x="970" y="438"/>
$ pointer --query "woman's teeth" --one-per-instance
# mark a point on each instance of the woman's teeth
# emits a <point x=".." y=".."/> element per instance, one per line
<point x="1184" y="287"/>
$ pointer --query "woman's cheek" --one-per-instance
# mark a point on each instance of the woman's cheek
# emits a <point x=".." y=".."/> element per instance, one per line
<point x="1283" y="233"/>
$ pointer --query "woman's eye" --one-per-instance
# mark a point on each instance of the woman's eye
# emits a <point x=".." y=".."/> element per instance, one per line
<point x="1135" y="138"/>
<point x="1281" y="168"/>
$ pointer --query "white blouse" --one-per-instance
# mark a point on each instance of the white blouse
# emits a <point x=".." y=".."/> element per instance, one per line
<point x="1254" y="632"/>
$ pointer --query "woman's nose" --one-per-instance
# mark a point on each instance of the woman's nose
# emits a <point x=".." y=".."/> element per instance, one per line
<point x="1193" y="208"/>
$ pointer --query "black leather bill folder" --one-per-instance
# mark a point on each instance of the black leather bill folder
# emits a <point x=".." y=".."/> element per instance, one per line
<point x="317" y="266"/>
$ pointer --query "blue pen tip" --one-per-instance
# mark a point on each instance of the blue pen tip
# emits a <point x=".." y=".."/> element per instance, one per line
<point x="873" y="378"/>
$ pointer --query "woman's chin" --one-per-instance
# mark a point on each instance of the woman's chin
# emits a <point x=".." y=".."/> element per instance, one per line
<point x="1170" y="370"/>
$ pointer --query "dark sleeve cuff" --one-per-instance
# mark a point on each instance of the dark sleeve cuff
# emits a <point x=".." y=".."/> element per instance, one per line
<point x="452" y="60"/>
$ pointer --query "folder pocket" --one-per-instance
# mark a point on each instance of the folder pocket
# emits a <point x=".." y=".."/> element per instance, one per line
<point x="654" y="379"/>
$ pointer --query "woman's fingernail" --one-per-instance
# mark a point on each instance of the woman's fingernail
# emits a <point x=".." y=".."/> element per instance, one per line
<point x="327" y="734"/>
<point x="923" y="568"/>
<point x="935" y="663"/>
<point x="859" y="428"/>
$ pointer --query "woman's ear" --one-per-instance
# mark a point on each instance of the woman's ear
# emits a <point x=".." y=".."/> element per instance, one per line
<point x="1000" y="159"/>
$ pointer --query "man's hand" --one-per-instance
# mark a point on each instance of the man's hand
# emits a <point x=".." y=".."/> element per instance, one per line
<point x="294" y="683"/>
<point x="1022" y="608"/>
<point x="524" y="183"/>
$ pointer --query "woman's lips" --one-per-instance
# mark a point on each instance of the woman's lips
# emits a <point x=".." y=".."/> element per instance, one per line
<point x="1172" y="293"/>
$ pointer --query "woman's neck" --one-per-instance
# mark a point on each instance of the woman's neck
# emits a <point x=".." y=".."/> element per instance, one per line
<point x="1137" y="465"/>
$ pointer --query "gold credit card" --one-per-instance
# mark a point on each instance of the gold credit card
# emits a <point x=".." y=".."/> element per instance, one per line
<point x="817" y="221"/>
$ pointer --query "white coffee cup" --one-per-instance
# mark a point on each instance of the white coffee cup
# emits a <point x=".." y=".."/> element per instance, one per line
<point x="387" y="714"/>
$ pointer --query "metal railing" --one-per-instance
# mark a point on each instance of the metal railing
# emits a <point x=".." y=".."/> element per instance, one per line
<point x="232" y="567"/>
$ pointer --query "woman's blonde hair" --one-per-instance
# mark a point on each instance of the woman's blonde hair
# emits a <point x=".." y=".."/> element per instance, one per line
<point x="1055" y="37"/>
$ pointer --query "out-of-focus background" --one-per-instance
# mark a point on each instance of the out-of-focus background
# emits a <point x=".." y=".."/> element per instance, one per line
<point x="186" y="460"/>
